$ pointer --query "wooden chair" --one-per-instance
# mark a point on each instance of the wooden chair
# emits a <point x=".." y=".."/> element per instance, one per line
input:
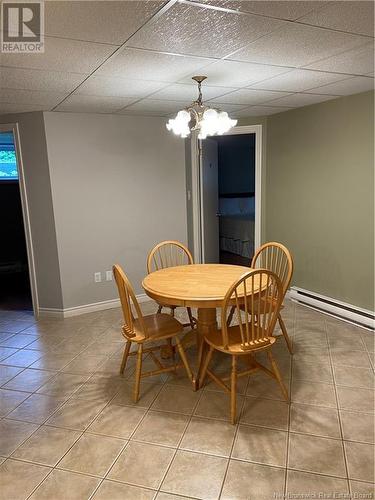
<point x="145" y="330"/>
<point x="170" y="254"/>
<point x="277" y="258"/>
<point x="252" y="334"/>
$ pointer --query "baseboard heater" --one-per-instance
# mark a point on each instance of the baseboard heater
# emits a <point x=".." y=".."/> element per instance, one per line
<point x="341" y="310"/>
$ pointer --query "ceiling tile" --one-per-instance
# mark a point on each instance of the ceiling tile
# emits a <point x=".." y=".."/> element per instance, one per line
<point x="29" y="79"/>
<point x="248" y="97"/>
<point x="298" y="80"/>
<point x="348" y="86"/>
<point x="351" y="16"/>
<point x="94" y="104"/>
<point x="152" y="107"/>
<point x="285" y="9"/>
<point x="164" y="108"/>
<point x="187" y="93"/>
<point x="260" y="111"/>
<point x="21" y="108"/>
<point x="297" y="45"/>
<point x="107" y="22"/>
<point x="62" y="55"/>
<point x="188" y="29"/>
<point x="149" y="65"/>
<point x="31" y="97"/>
<point x="359" y="61"/>
<point x="118" y="87"/>
<point x="239" y="74"/>
<point x="296" y="100"/>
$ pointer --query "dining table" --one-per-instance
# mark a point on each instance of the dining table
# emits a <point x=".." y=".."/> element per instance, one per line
<point x="200" y="286"/>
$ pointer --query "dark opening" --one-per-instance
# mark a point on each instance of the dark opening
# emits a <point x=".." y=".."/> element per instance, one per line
<point x="236" y="170"/>
<point x="15" y="290"/>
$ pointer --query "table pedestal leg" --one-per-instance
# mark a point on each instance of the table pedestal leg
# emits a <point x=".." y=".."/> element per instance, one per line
<point x="206" y="323"/>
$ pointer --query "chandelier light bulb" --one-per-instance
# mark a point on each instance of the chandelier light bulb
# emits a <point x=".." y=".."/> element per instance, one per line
<point x="207" y="121"/>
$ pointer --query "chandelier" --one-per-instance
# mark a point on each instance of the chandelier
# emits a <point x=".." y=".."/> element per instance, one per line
<point x="197" y="116"/>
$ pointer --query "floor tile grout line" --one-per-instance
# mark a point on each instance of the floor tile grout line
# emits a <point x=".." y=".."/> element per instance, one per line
<point x="128" y="439"/>
<point x="234" y="438"/>
<point x="338" y="412"/>
<point x="181" y="439"/>
<point x="289" y="409"/>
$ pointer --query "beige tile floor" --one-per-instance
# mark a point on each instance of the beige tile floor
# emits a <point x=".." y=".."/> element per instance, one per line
<point x="69" y="429"/>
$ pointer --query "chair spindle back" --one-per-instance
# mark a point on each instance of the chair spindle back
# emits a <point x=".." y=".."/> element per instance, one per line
<point x="276" y="258"/>
<point x="258" y="321"/>
<point x="168" y="254"/>
<point x="132" y="324"/>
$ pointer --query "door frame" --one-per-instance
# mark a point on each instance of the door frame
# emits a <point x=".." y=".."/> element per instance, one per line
<point x="13" y="127"/>
<point x="196" y="167"/>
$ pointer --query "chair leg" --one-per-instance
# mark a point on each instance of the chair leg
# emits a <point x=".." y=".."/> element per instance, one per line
<point x="191" y="319"/>
<point x="171" y="348"/>
<point x="285" y="333"/>
<point x="276" y="372"/>
<point x="233" y="390"/>
<point x="172" y="308"/>
<point x="230" y="317"/>
<point x="185" y="361"/>
<point x="138" y="372"/>
<point x="206" y="362"/>
<point x="160" y="308"/>
<point x="125" y="357"/>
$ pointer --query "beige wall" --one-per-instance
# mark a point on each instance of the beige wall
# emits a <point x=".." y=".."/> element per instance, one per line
<point x="118" y="188"/>
<point x="320" y="195"/>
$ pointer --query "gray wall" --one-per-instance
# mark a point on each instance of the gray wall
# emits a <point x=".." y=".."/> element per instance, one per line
<point x="320" y="195"/>
<point x="36" y="170"/>
<point x="118" y="188"/>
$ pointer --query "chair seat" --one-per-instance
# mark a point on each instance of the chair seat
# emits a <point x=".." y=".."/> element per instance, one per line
<point x="215" y="339"/>
<point x="159" y="326"/>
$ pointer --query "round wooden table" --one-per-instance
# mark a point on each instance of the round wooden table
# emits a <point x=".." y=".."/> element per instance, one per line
<point x="202" y="286"/>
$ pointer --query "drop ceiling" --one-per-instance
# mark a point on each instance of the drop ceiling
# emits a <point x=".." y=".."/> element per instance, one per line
<point x="137" y="57"/>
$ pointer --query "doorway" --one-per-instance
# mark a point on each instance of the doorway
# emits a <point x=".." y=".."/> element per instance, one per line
<point x="15" y="286"/>
<point x="230" y="204"/>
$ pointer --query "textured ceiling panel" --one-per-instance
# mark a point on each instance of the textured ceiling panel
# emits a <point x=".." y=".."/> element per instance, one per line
<point x="187" y="29"/>
<point x="62" y="55"/>
<point x="299" y="80"/>
<point x="28" y="79"/>
<point x="298" y="45"/>
<point x="148" y="65"/>
<point x="352" y="85"/>
<point x="358" y="61"/>
<point x="118" y="87"/>
<point x="14" y="96"/>
<point x="286" y="9"/>
<point x="153" y="107"/>
<point x="189" y="92"/>
<point x="248" y="97"/>
<point x="239" y="74"/>
<point x="259" y="111"/>
<point x="21" y="108"/>
<point x="295" y="100"/>
<point x="98" y="21"/>
<point x="265" y="54"/>
<point x="354" y="17"/>
<point x="94" y="104"/>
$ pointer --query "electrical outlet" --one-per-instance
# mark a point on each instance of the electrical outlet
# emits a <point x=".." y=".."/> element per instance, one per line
<point x="109" y="275"/>
<point x="97" y="277"/>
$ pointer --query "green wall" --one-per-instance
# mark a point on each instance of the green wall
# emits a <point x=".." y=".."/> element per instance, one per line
<point x="320" y="195"/>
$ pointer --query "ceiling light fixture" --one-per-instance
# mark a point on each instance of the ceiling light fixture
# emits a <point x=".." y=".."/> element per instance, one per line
<point x="197" y="116"/>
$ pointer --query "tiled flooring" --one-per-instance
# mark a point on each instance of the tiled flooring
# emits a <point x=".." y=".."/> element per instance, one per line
<point x="69" y="429"/>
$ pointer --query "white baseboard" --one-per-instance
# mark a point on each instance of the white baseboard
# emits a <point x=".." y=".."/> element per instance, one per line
<point x="333" y="307"/>
<point x="55" y="313"/>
